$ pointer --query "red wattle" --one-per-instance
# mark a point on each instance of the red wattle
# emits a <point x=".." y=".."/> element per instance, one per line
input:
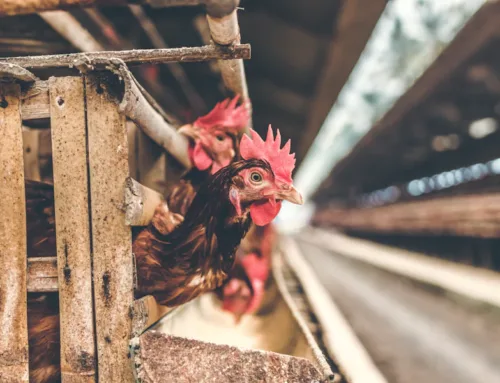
<point x="263" y="213"/>
<point x="200" y="158"/>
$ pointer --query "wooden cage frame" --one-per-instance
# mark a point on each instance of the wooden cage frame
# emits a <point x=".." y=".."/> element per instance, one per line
<point x="95" y="203"/>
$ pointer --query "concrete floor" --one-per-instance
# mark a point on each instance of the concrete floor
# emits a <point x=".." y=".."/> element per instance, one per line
<point x="413" y="334"/>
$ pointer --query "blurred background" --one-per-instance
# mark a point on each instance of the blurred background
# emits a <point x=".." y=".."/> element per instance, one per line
<point x="393" y="110"/>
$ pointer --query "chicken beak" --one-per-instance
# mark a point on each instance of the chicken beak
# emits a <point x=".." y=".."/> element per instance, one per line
<point x="291" y="195"/>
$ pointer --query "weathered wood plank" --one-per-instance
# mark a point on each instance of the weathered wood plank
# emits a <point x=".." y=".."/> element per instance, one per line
<point x="13" y="296"/>
<point x="134" y="57"/>
<point x="69" y="156"/>
<point x="31" y="143"/>
<point x="35" y="102"/>
<point x="111" y="238"/>
<point x="42" y="274"/>
<point x="468" y="215"/>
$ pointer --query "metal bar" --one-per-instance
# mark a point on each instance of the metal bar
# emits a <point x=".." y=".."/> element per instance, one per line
<point x="134" y="57"/>
<point x="69" y="157"/>
<point x="116" y="42"/>
<point x="69" y="28"/>
<point x="111" y="239"/>
<point x="195" y="100"/>
<point x="152" y="165"/>
<point x="13" y="294"/>
<point x="42" y="275"/>
<point x="225" y="31"/>
<point x="201" y="24"/>
<point x="339" y="338"/>
<point x="136" y="107"/>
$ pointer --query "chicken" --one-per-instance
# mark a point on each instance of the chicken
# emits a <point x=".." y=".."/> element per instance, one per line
<point x="213" y="144"/>
<point x="198" y="254"/>
<point x="243" y="291"/>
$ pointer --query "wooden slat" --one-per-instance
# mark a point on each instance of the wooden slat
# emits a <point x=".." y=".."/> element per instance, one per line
<point x="13" y="310"/>
<point x="111" y="238"/>
<point x="468" y="215"/>
<point x="69" y="156"/>
<point x="42" y="274"/>
<point x="35" y="102"/>
<point x="31" y="141"/>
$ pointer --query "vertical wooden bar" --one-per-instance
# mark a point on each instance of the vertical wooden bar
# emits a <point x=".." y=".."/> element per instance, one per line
<point x="13" y="295"/>
<point x="111" y="238"/>
<point x="69" y="157"/>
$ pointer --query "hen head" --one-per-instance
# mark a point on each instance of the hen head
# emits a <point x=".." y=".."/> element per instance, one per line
<point x="213" y="137"/>
<point x="261" y="189"/>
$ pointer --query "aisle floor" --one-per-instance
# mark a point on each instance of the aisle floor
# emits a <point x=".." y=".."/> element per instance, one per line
<point x="413" y="334"/>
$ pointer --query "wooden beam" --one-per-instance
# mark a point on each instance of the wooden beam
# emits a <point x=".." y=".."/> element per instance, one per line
<point x="467" y="215"/>
<point x="134" y="57"/>
<point x="140" y="202"/>
<point x="353" y="29"/>
<point x="35" y="102"/>
<point x="481" y="29"/>
<point x="13" y="292"/>
<point x="225" y="32"/>
<point x="42" y="275"/>
<point x="69" y="157"/>
<point x="195" y="100"/>
<point x="113" y="265"/>
<point x="23" y="7"/>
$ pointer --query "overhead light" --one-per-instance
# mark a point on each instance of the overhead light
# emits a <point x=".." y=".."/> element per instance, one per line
<point x="483" y="127"/>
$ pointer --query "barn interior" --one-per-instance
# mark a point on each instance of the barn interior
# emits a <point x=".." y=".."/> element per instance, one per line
<point x="389" y="271"/>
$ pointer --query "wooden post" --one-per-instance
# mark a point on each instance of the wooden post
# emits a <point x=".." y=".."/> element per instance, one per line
<point x="69" y="156"/>
<point x="111" y="238"/>
<point x="13" y="294"/>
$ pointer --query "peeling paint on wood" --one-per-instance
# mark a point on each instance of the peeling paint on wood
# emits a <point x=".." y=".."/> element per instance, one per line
<point x="166" y="358"/>
<point x="111" y="238"/>
<point x="67" y="111"/>
<point x="13" y="295"/>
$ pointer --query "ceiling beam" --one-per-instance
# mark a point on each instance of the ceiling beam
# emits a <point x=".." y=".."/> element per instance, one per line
<point x="23" y="7"/>
<point x="481" y="29"/>
<point x="195" y="100"/>
<point x="353" y="29"/>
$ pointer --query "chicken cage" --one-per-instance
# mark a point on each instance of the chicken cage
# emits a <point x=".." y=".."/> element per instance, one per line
<point x="105" y="334"/>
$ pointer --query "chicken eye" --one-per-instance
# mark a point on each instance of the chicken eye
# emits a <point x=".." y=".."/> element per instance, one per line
<point x="220" y="138"/>
<point x="256" y="177"/>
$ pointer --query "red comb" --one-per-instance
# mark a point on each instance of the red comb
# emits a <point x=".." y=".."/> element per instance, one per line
<point x="225" y="115"/>
<point x="281" y="161"/>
